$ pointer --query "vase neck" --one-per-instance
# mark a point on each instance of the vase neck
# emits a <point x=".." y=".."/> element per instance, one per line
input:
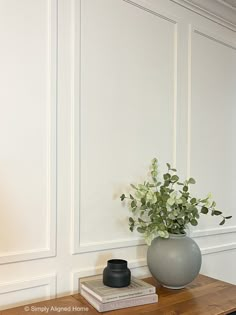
<point x="117" y="264"/>
<point x="177" y="236"/>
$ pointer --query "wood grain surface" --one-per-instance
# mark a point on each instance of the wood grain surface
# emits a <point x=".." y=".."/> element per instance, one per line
<point x="204" y="296"/>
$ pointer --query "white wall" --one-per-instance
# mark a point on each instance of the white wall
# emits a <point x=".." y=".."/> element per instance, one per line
<point x="91" y="90"/>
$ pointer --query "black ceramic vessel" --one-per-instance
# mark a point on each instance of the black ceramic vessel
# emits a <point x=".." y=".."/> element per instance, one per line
<point x="116" y="274"/>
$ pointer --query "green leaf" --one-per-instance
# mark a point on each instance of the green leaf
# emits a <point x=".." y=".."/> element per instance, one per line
<point x="143" y="201"/>
<point x="174" y="169"/>
<point x="185" y="188"/>
<point x="180" y="221"/>
<point x="143" y="207"/>
<point x="162" y="233"/>
<point x="179" y="201"/>
<point x="166" y="183"/>
<point x="166" y="176"/>
<point x="193" y="200"/>
<point x="150" y="212"/>
<point x="133" y="186"/>
<point x="213" y="204"/>
<point x="191" y="180"/>
<point x="122" y="197"/>
<point x="140" y="230"/>
<point x="133" y="204"/>
<point x="170" y="201"/>
<point x="194" y="222"/>
<point x="140" y="220"/>
<point x="229" y="217"/>
<point x="168" y="165"/>
<point x="154" y="173"/>
<point x="154" y="161"/>
<point x="185" y="195"/>
<point x="131" y="220"/>
<point x="216" y="212"/>
<point x="204" y="210"/>
<point x="222" y="222"/>
<point x="131" y="197"/>
<point x="175" y="178"/>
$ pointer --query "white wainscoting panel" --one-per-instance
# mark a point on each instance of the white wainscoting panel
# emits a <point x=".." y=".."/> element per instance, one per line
<point x="128" y="94"/>
<point x="212" y="112"/>
<point x="28" y="129"/>
<point x="91" y="91"/>
<point x="17" y="293"/>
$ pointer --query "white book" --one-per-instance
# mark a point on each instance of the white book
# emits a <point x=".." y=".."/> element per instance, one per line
<point x="124" y="303"/>
<point x="106" y="294"/>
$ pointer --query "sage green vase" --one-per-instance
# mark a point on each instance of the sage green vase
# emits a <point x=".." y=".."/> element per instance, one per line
<point x="174" y="262"/>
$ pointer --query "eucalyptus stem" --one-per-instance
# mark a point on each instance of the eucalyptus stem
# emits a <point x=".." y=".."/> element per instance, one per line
<point x="167" y="203"/>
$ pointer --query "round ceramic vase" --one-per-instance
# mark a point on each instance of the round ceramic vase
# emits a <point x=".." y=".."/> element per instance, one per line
<point x="174" y="262"/>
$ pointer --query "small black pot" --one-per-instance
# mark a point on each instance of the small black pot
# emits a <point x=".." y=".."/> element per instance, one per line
<point x="116" y="274"/>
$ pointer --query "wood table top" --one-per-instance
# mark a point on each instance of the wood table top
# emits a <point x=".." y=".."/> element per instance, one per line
<point x="204" y="296"/>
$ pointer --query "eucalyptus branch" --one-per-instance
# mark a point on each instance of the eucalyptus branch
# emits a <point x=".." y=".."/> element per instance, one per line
<point x="170" y="210"/>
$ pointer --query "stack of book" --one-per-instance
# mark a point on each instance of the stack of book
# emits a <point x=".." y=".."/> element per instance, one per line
<point x="105" y="298"/>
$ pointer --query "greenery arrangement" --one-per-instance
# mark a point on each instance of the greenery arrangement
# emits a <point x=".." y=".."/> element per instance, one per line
<point x="166" y="206"/>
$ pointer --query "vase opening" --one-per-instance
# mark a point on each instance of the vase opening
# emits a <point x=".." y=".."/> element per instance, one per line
<point x="177" y="235"/>
<point x="117" y="264"/>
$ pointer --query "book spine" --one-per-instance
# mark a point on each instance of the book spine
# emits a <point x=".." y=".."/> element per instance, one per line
<point x="127" y="295"/>
<point x="121" y="295"/>
<point x="95" y="303"/>
<point x="97" y="296"/>
<point x="142" y="300"/>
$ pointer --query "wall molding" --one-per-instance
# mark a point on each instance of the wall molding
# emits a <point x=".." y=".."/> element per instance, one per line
<point x="228" y="4"/>
<point x="50" y="249"/>
<point x="104" y="245"/>
<point x="146" y="6"/>
<point x="205" y="33"/>
<point x="213" y="231"/>
<point x="46" y="280"/>
<point x="76" y="245"/>
<point x="218" y="248"/>
<point x="209" y="14"/>
<point x="214" y="37"/>
<point x="197" y="30"/>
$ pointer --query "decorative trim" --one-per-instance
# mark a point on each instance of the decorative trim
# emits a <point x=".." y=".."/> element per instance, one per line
<point x="27" y="255"/>
<point x="206" y="13"/>
<point x="189" y="103"/>
<point x="76" y="246"/>
<point x="113" y="244"/>
<point x="47" y="280"/>
<point x="227" y="4"/>
<point x="146" y="7"/>
<point x="75" y="124"/>
<point x="50" y="249"/>
<point x="219" y="40"/>
<point x="214" y="231"/>
<point x="215" y="38"/>
<point x="90" y="272"/>
<point x="175" y="109"/>
<point x="218" y="248"/>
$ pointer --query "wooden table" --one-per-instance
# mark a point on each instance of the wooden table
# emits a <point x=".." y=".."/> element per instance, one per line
<point x="204" y="296"/>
